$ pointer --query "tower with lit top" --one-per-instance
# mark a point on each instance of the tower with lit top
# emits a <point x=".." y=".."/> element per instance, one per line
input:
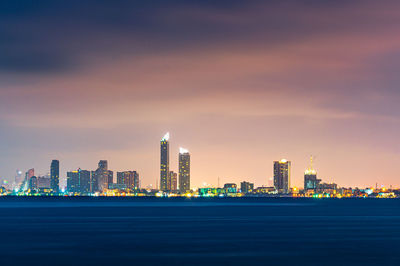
<point x="282" y="171"/>
<point x="164" y="162"/>
<point x="310" y="177"/>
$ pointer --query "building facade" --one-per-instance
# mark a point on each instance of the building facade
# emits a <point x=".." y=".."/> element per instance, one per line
<point x="246" y="187"/>
<point x="79" y="181"/>
<point x="173" y="181"/>
<point x="282" y="172"/>
<point x="164" y="163"/>
<point x="310" y="178"/>
<point x="55" y="176"/>
<point x="184" y="171"/>
<point x="44" y="182"/>
<point x="33" y="183"/>
<point x="129" y="178"/>
<point x="101" y="177"/>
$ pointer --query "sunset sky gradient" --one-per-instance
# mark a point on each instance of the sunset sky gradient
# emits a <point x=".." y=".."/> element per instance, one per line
<point x="237" y="83"/>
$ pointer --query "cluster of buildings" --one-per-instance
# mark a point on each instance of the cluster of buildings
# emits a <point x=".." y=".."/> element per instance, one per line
<point x="101" y="182"/>
<point x="169" y="179"/>
<point x="313" y="187"/>
<point x="79" y="182"/>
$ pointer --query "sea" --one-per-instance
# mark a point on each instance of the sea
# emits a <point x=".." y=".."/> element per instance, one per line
<point x="198" y="231"/>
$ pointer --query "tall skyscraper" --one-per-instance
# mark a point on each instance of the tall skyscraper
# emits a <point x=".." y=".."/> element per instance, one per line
<point x="184" y="170"/>
<point x="310" y="177"/>
<point x="101" y="177"/>
<point x="164" y="164"/>
<point x="55" y="175"/>
<point x="73" y="182"/>
<point x="282" y="173"/>
<point x="84" y="179"/>
<point x="173" y="177"/>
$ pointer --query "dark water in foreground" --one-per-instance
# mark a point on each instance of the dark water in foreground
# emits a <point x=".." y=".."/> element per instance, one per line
<point x="138" y="231"/>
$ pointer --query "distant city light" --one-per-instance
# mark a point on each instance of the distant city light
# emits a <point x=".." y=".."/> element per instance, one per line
<point x="166" y="137"/>
<point x="182" y="150"/>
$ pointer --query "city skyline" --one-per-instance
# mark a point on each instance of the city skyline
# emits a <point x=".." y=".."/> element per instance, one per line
<point x="101" y="178"/>
<point x="192" y="132"/>
<point x="240" y="83"/>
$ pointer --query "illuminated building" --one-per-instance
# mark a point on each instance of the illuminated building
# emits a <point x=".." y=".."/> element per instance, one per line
<point x="43" y="182"/>
<point x="110" y="177"/>
<point x="101" y="177"/>
<point x="230" y="188"/>
<point x="84" y="178"/>
<point x="310" y="177"/>
<point x="164" y="163"/>
<point x="211" y="192"/>
<point x="264" y="190"/>
<point x="327" y="187"/>
<point x="73" y="181"/>
<point x="78" y="181"/>
<point x="136" y="180"/>
<point x="33" y="183"/>
<point x="173" y="181"/>
<point x="122" y="177"/>
<point x="184" y="171"/>
<point x="230" y="185"/>
<point x="128" y="178"/>
<point x="117" y="186"/>
<point x="282" y="176"/>
<point x="26" y="183"/>
<point x="246" y="187"/>
<point x="17" y="179"/>
<point x="55" y="175"/>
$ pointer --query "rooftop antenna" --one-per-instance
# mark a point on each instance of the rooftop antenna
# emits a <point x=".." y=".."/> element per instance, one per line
<point x="312" y="158"/>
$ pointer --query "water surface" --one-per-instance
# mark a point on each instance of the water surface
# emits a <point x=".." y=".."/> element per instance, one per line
<point x="235" y="231"/>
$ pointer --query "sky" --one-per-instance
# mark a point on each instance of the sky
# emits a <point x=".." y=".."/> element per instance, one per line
<point x="237" y="83"/>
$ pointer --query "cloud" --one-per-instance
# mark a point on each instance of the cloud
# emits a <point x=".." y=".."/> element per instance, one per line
<point x="254" y="79"/>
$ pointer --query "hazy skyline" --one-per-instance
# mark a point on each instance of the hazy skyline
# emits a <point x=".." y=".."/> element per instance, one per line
<point x="238" y="83"/>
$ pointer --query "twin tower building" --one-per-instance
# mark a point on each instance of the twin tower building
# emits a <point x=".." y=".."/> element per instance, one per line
<point x="168" y="179"/>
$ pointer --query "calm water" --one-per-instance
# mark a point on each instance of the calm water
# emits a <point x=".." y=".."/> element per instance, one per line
<point x="259" y="231"/>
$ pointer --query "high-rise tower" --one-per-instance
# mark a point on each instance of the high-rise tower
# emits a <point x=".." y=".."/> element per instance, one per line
<point x="164" y="164"/>
<point x="100" y="177"/>
<point x="55" y="176"/>
<point x="282" y="176"/>
<point x="184" y="170"/>
<point x="310" y="177"/>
